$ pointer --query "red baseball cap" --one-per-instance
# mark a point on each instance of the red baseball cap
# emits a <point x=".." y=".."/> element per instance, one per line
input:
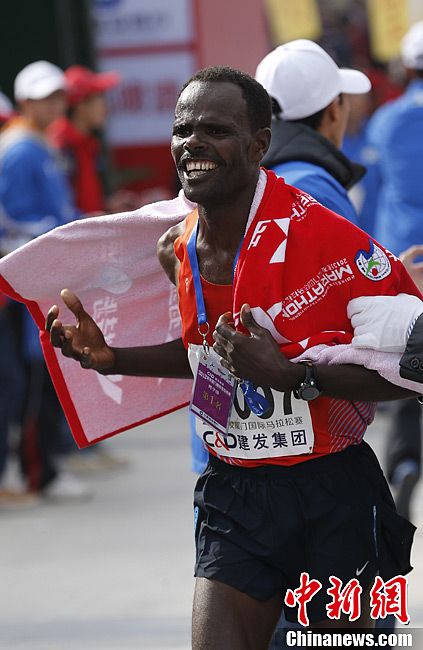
<point x="82" y="82"/>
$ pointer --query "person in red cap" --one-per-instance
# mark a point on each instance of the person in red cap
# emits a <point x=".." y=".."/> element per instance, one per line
<point x="76" y="134"/>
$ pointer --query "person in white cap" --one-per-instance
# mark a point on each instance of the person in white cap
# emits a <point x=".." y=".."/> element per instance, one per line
<point x="33" y="191"/>
<point x="310" y="110"/>
<point x="396" y="133"/>
<point x="35" y="198"/>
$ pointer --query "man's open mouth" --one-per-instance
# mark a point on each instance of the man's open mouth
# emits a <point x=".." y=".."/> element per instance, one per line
<point x="198" y="168"/>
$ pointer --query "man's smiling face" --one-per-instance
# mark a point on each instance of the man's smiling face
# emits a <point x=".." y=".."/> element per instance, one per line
<point x="214" y="149"/>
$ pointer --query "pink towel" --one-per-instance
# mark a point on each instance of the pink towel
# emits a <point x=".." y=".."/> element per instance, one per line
<point x="110" y="263"/>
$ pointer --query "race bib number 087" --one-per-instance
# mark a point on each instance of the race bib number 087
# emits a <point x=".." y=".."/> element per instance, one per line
<point x="284" y="429"/>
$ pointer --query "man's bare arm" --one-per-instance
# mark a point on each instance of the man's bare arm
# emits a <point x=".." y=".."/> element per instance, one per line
<point x="166" y="360"/>
<point x="85" y="343"/>
<point x="166" y="253"/>
<point x="259" y="359"/>
<point x="356" y="383"/>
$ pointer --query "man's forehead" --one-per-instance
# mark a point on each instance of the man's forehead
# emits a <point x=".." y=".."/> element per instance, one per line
<point x="203" y="96"/>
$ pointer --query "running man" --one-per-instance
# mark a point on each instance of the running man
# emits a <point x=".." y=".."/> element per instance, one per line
<point x="273" y="502"/>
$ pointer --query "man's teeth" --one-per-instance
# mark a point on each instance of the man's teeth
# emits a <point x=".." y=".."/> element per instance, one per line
<point x="200" y="165"/>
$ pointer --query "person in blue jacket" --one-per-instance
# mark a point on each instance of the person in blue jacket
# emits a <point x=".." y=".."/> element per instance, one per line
<point x="355" y="146"/>
<point x="34" y="198"/>
<point x="395" y="132"/>
<point x="310" y="112"/>
<point x="34" y="192"/>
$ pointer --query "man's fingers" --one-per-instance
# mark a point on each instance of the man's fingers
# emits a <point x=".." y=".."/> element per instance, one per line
<point x="73" y="303"/>
<point x="225" y="327"/>
<point x="225" y="319"/>
<point x="57" y="333"/>
<point x="67" y="344"/>
<point x="221" y="351"/>
<point x="247" y="319"/>
<point x="224" y="337"/>
<point x="53" y="313"/>
<point x="86" y="359"/>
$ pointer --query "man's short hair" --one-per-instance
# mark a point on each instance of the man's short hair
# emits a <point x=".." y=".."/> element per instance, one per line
<point x="257" y="100"/>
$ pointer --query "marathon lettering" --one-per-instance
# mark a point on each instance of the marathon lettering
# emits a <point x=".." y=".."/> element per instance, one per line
<point x="331" y="275"/>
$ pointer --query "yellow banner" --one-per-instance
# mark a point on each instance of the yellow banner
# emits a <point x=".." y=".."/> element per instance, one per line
<point x="388" y="22"/>
<point x="291" y="19"/>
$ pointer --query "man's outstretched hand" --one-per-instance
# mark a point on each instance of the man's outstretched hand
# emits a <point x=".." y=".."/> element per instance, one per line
<point x="84" y="341"/>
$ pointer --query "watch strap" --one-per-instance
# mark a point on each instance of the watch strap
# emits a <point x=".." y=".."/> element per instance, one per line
<point x="308" y="383"/>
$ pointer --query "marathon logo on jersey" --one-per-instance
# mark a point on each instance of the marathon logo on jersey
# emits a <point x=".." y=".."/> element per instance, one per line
<point x="315" y="289"/>
<point x="374" y="263"/>
<point x="281" y="238"/>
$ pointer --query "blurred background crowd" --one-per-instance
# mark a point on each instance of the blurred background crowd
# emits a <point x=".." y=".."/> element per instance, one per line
<point x="88" y="91"/>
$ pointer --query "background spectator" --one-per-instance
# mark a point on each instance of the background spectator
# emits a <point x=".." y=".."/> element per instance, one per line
<point x="35" y="197"/>
<point x="396" y="133"/>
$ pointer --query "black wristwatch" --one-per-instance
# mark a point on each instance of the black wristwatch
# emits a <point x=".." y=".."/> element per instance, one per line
<point x="308" y="389"/>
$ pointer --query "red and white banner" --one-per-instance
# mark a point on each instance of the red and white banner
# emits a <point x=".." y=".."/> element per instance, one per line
<point x="150" y="43"/>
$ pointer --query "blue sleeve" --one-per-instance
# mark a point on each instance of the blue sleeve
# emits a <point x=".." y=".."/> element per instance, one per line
<point x="32" y="190"/>
<point x="324" y="192"/>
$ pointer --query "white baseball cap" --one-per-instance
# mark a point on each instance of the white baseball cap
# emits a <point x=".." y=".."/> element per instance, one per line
<point x="304" y="79"/>
<point x="38" y="80"/>
<point x="412" y="47"/>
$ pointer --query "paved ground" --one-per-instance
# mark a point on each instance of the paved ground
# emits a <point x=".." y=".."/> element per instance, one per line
<point x="115" y="573"/>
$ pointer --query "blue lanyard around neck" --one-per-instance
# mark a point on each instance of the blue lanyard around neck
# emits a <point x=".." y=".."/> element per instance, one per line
<point x="195" y="269"/>
<point x="257" y="402"/>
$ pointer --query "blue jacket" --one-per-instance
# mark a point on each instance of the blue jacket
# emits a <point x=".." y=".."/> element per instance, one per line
<point x="34" y="194"/>
<point x="317" y="182"/>
<point x="396" y="132"/>
<point x="365" y="193"/>
<point x="310" y="162"/>
<point x="34" y="198"/>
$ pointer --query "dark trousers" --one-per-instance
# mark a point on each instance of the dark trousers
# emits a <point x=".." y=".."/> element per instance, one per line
<point x="42" y="424"/>
<point x="11" y="383"/>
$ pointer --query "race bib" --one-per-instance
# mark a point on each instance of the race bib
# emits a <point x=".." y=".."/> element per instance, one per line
<point x="213" y="392"/>
<point x="284" y="429"/>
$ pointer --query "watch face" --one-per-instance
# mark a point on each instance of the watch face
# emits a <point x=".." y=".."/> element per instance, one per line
<point x="309" y="393"/>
